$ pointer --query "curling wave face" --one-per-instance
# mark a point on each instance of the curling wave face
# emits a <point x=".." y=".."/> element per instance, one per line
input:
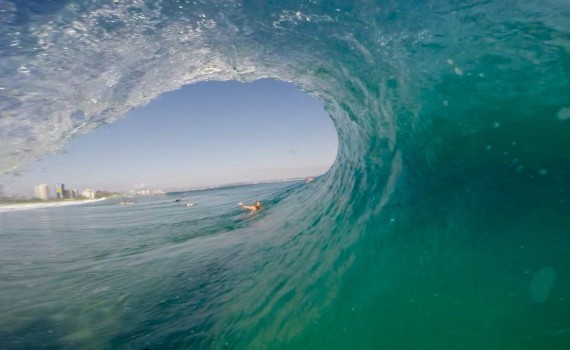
<point x="453" y="151"/>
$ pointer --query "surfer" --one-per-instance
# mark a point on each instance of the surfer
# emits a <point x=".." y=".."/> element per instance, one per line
<point x="256" y="206"/>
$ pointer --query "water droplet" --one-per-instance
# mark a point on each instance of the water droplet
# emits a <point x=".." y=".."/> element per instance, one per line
<point x="496" y="125"/>
<point x="458" y="71"/>
<point x="23" y="70"/>
<point x="449" y="61"/>
<point x="543" y="172"/>
<point x="563" y="114"/>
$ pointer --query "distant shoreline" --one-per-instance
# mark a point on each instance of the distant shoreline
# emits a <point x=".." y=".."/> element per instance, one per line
<point x="237" y="184"/>
<point x="40" y="205"/>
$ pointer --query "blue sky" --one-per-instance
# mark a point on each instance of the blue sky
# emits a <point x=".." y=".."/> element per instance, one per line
<point x="200" y="135"/>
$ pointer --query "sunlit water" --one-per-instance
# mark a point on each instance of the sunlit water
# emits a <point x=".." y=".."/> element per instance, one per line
<point x="443" y="223"/>
<point x="64" y="269"/>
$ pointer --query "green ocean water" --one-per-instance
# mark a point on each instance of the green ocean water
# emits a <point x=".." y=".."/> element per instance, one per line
<point x="443" y="223"/>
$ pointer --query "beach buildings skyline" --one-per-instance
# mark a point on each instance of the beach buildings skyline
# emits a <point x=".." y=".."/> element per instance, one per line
<point x="42" y="192"/>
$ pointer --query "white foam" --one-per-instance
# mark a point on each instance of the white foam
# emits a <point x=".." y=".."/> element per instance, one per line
<point x="30" y="206"/>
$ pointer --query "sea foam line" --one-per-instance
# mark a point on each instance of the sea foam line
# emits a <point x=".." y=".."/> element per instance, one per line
<point x="30" y="206"/>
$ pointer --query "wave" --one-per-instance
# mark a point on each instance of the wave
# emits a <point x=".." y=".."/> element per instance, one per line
<point x="453" y="152"/>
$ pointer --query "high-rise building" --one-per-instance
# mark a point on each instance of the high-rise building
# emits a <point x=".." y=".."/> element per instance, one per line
<point x="74" y="194"/>
<point x="60" y="191"/>
<point x="41" y="192"/>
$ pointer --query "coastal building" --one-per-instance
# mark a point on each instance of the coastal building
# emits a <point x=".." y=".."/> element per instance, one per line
<point x="60" y="191"/>
<point x="74" y="194"/>
<point x="1" y="191"/>
<point x="146" y="192"/>
<point x="89" y="194"/>
<point x="41" y="192"/>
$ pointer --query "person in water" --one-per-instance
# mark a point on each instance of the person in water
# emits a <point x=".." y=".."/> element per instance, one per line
<point x="256" y="206"/>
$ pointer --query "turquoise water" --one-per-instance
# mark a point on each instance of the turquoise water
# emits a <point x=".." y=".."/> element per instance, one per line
<point x="443" y="223"/>
<point x="65" y="270"/>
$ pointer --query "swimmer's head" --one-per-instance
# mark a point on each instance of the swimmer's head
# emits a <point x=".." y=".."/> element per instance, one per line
<point x="257" y="204"/>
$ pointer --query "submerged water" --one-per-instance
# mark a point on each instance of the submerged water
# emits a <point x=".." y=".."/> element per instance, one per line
<point x="443" y="223"/>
